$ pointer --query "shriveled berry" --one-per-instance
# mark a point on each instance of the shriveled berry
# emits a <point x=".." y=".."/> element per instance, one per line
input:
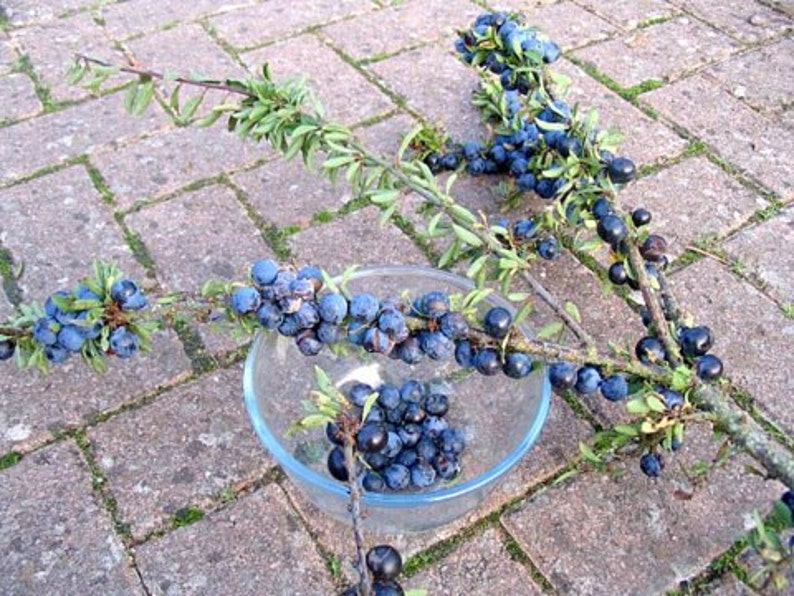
<point x="653" y="248"/>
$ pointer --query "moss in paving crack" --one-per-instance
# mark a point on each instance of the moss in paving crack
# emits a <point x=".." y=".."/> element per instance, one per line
<point x="323" y="216"/>
<point x="24" y="65"/>
<point x="441" y="549"/>
<point x="186" y="516"/>
<point x="657" y="20"/>
<point x="138" y="248"/>
<point x="100" y="484"/>
<point x="201" y="361"/>
<point x="787" y="308"/>
<point x="9" y="459"/>
<point x="407" y="227"/>
<point x="99" y="182"/>
<point x="632" y="93"/>
<point x="518" y="555"/>
<point x="599" y="76"/>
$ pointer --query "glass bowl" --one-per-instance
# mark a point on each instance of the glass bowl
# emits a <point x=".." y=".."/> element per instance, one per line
<point x="500" y="417"/>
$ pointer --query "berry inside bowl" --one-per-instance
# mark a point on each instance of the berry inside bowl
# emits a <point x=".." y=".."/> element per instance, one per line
<point x="499" y="417"/>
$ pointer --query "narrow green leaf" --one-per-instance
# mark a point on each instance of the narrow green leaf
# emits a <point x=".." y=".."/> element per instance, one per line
<point x="656" y="404"/>
<point x="573" y="310"/>
<point x="191" y="106"/>
<point x="627" y="430"/>
<point x="460" y="213"/>
<point x="130" y="95"/>
<point x="476" y="266"/>
<point x="143" y="98"/>
<point x="370" y="401"/>
<point x="384" y="197"/>
<point x="637" y="406"/>
<point x="467" y="236"/>
<point x="550" y="330"/>
<point x="523" y="313"/>
<point x="449" y="254"/>
<point x="588" y="454"/>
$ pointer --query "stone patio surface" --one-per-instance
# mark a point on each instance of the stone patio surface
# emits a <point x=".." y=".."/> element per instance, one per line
<point x="150" y="480"/>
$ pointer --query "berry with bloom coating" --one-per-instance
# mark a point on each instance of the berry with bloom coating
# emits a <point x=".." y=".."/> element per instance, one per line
<point x="123" y="342"/>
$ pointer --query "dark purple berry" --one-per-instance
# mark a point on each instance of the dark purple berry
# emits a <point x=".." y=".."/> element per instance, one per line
<point x="359" y="393"/>
<point x="517" y="365"/>
<point x="437" y="404"/>
<point x="397" y="476"/>
<point x="384" y="562"/>
<point x="696" y="341"/>
<point x="388" y="396"/>
<point x="264" y="272"/>
<point x="447" y="467"/>
<point x="651" y="465"/>
<point x="333" y="433"/>
<point x="588" y="380"/>
<point x="562" y="376"/>
<point x="332" y="308"/>
<point x="601" y="208"/>
<point x="387" y="588"/>
<point x="454" y="325"/>
<point x="487" y="361"/>
<point x="336" y="464"/>
<point x="412" y="391"/>
<point x="7" y="347"/>
<point x="123" y="342"/>
<point x="672" y="399"/>
<point x="708" y="367"/>
<point x="414" y="414"/>
<point x="423" y="474"/>
<point x="464" y="353"/>
<point x="621" y="170"/>
<point x="410" y="434"/>
<point x="654" y="248"/>
<point x="618" y="274"/>
<point x="612" y="229"/>
<point x="373" y="482"/>
<point x="650" y="350"/>
<point x="615" y="388"/>
<point x="497" y="322"/>
<point x="641" y="217"/>
<point x="371" y="437"/>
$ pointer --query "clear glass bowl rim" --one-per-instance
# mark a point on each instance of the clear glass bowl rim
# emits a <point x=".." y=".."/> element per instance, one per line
<point x="303" y="474"/>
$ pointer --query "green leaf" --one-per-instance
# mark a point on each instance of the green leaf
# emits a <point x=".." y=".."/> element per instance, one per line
<point x="628" y="430"/>
<point x="370" y="401"/>
<point x="682" y="378"/>
<point x="460" y="213"/>
<point x="308" y="422"/>
<point x="467" y="236"/>
<point x="416" y="592"/>
<point x="142" y="98"/>
<point x="385" y="198"/>
<point x="522" y="314"/>
<point x="550" y="330"/>
<point x="637" y="406"/>
<point x="588" y="454"/>
<point x="573" y="310"/>
<point x="210" y="118"/>
<point x="476" y="266"/>
<point x="656" y="404"/>
<point x="191" y="106"/>
<point x="334" y="163"/>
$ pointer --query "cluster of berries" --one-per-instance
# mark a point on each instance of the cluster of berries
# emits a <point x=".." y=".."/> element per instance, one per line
<point x="84" y="320"/>
<point x="293" y="304"/>
<point x="405" y="441"/>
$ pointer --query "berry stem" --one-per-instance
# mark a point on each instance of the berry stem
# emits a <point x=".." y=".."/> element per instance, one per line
<point x="652" y="302"/>
<point x="365" y="583"/>
<point x="156" y="75"/>
<point x="14" y="332"/>
<point x="747" y="434"/>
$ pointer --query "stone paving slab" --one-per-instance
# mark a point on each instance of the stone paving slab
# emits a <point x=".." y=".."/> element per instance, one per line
<point x="749" y="21"/>
<point x="256" y="545"/>
<point x="762" y="78"/>
<point x="628" y="14"/>
<point x="737" y="132"/>
<point x="557" y="444"/>
<point x="33" y="406"/>
<point x="384" y="137"/>
<point x="448" y="100"/>
<point x="753" y="338"/>
<point x="616" y="112"/>
<point x="219" y="242"/>
<point x="241" y="28"/>
<point x="18" y="97"/>
<point x="53" y="138"/>
<point x="481" y="566"/>
<point x="125" y="19"/>
<point x="660" y="52"/>
<point x="183" y="449"/>
<point x="8" y="55"/>
<point x="163" y="163"/>
<point x="52" y="46"/>
<point x="763" y="249"/>
<point x="355" y="239"/>
<point x="692" y="200"/>
<point x="20" y="12"/>
<point x="286" y="194"/>
<point x="727" y="585"/>
<point x="327" y="74"/>
<point x="631" y="535"/>
<point x="409" y="23"/>
<point x="57" y="226"/>
<point x="566" y="23"/>
<point x="56" y="537"/>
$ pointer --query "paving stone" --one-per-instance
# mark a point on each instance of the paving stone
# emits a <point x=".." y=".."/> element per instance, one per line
<point x="557" y="444"/>
<point x="124" y="19"/>
<point x="326" y="74"/>
<point x="569" y="25"/>
<point x="355" y="239"/>
<point x="219" y="242"/>
<point x="614" y="111"/>
<point x="183" y="449"/>
<point x="57" y="226"/>
<point x="160" y="164"/>
<point x="34" y="406"/>
<point x="408" y="24"/>
<point x="753" y="337"/>
<point x="18" y="97"/>
<point x="56" y="538"/>
<point x="692" y="200"/>
<point x="252" y="545"/>
<point x="52" y="46"/>
<point x="33" y="144"/>
<point x="8" y="55"/>
<point x="761" y="249"/>
<point x="384" y="137"/>
<point x="661" y="52"/>
<point x="749" y="21"/>
<point x="287" y="193"/>
<point x="727" y="585"/>
<point x="627" y="534"/>
<point x="448" y="100"/>
<point x="759" y="77"/>
<point x="740" y="134"/>
<point x="480" y="566"/>
<point x="262" y="23"/>
<point x="20" y="12"/>
<point x="628" y="14"/>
